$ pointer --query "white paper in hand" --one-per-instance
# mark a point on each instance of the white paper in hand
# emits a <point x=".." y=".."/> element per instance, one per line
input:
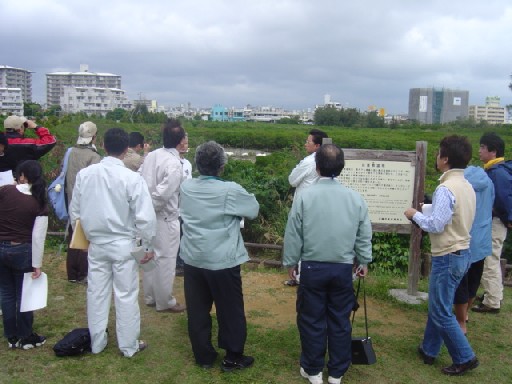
<point x="34" y="294"/>
<point x="138" y="253"/>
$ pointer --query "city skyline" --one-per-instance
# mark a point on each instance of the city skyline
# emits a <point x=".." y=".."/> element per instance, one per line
<point x="280" y="53"/>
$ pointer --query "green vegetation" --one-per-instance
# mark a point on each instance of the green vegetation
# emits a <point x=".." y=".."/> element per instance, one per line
<point x="267" y="177"/>
<point x="396" y="330"/>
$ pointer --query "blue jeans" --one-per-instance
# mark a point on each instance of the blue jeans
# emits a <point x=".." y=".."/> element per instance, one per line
<point x="447" y="272"/>
<point x="325" y="299"/>
<point x="15" y="260"/>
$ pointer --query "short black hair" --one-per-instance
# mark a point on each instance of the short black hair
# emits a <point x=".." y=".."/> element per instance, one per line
<point x="115" y="141"/>
<point x="457" y="149"/>
<point x="172" y="133"/>
<point x="330" y="160"/>
<point x="494" y="143"/>
<point x="135" y="139"/>
<point x="210" y="158"/>
<point x="318" y="136"/>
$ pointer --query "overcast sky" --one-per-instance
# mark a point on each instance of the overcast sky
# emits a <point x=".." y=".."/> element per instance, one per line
<point x="283" y="53"/>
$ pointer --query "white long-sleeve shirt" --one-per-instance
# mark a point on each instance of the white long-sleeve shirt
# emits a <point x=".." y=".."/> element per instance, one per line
<point x="113" y="203"/>
<point x="304" y="174"/>
<point x="163" y="172"/>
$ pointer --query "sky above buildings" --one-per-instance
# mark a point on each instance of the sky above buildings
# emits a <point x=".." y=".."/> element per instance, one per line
<point x="284" y="53"/>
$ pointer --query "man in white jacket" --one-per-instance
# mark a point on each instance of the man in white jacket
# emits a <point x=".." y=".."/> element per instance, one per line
<point x="304" y="174"/>
<point x="113" y="205"/>
<point x="163" y="171"/>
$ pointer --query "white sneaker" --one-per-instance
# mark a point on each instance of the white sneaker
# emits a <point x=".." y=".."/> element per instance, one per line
<point x="334" y="380"/>
<point x="313" y="379"/>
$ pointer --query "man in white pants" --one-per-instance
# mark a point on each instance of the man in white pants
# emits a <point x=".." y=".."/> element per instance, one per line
<point x="492" y="152"/>
<point x="163" y="172"/>
<point x="113" y="205"/>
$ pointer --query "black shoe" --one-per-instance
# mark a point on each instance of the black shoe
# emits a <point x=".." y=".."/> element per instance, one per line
<point x="239" y="363"/>
<point x="32" y="341"/>
<point x="13" y="342"/>
<point x="482" y="308"/>
<point x="460" y="369"/>
<point x="429" y="360"/>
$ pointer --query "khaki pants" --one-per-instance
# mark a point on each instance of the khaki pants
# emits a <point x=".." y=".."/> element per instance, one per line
<point x="491" y="278"/>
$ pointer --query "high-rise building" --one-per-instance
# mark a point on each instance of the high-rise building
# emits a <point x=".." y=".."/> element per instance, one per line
<point x="492" y="111"/>
<point x="93" y="100"/>
<point x="11" y="77"/>
<point x="57" y="81"/>
<point x="437" y="105"/>
<point x="11" y="101"/>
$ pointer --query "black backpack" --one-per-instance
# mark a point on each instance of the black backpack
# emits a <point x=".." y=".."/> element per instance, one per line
<point x="76" y="342"/>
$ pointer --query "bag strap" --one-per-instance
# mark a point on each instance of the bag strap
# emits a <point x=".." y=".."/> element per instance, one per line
<point x="364" y="303"/>
<point x="65" y="162"/>
<point x="63" y="173"/>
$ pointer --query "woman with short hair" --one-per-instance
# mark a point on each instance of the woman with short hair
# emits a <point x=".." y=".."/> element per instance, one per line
<point x="213" y="248"/>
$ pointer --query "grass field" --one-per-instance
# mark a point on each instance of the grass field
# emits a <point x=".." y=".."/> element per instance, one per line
<point x="273" y="340"/>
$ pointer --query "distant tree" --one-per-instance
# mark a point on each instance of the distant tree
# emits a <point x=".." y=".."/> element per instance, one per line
<point x="373" y="120"/>
<point x="117" y="114"/>
<point x="32" y="109"/>
<point x="327" y="116"/>
<point x="289" y="120"/>
<point x="54" y="110"/>
<point x="350" y="117"/>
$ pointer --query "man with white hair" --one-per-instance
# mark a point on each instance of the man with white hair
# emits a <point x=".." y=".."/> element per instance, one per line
<point x="81" y="156"/>
<point x="27" y="148"/>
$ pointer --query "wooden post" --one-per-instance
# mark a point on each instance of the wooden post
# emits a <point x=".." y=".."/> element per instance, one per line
<point x="416" y="233"/>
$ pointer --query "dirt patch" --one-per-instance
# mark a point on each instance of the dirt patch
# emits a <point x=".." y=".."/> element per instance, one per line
<point x="270" y="303"/>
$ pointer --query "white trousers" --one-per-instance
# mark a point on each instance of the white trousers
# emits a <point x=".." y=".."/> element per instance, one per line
<point x="158" y="283"/>
<point x="111" y="267"/>
<point x="491" y="277"/>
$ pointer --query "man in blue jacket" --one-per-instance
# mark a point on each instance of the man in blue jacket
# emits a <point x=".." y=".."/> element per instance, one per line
<point x="480" y="244"/>
<point x="492" y="151"/>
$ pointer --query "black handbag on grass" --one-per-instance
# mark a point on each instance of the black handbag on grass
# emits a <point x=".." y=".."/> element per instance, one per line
<point x="362" y="348"/>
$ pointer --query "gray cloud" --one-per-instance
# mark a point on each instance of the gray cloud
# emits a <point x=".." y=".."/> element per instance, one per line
<point x="281" y="53"/>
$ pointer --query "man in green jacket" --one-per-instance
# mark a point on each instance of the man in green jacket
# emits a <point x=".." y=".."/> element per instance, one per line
<point x="328" y="227"/>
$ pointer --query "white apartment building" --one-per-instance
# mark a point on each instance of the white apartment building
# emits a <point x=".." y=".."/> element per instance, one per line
<point x="93" y="100"/>
<point x="11" y="77"/>
<point x="492" y="111"/>
<point x="11" y="101"/>
<point x="57" y="81"/>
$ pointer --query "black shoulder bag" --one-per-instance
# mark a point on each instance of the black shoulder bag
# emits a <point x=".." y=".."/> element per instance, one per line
<point x="362" y="348"/>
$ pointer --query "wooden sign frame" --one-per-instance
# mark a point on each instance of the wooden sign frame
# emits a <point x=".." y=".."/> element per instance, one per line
<point x="418" y="160"/>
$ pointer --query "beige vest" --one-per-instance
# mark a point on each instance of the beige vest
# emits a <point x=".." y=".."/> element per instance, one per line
<point x="456" y="236"/>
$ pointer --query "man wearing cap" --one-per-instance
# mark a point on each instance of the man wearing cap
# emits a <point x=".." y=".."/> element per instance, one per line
<point x="82" y="155"/>
<point x="27" y="148"/>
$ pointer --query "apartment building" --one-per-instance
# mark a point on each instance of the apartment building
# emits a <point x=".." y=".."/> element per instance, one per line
<point x="492" y="111"/>
<point x="437" y="105"/>
<point x="57" y="81"/>
<point x="11" y="77"/>
<point x="93" y="100"/>
<point x="11" y="101"/>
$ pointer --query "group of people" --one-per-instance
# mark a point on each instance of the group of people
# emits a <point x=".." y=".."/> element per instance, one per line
<point x="471" y="211"/>
<point x="138" y="197"/>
